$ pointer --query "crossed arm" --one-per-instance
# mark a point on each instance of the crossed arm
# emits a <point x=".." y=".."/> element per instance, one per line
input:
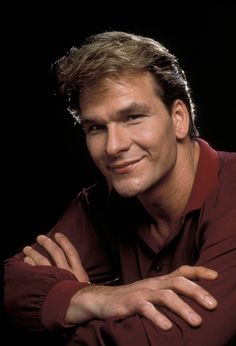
<point x="141" y="297"/>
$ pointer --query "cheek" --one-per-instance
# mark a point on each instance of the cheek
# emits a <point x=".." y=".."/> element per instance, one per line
<point x="148" y="138"/>
<point x="144" y="135"/>
<point x="91" y="148"/>
<point x="94" y="149"/>
<point x="159" y="141"/>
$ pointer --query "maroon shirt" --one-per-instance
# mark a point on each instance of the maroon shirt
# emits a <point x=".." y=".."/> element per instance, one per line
<point x="113" y="237"/>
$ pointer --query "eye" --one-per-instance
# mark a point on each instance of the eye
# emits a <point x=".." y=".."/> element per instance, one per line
<point x="133" y="117"/>
<point x="93" y="128"/>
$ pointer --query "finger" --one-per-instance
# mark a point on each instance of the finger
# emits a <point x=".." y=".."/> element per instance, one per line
<point x="29" y="260"/>
<point x="173" y="302"/>
<point x="35" y="256"/>
<point x="190" y="289"/>
<point x="70" y="251"/>
<point x="148" y="310"/>
<point x="194" y="272"/>
<point x="54" y="251"/>
<point x="72" y="256"/>
<point x="59" y="255"/>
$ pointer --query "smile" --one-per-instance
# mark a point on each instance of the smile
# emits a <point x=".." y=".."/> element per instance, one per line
<point x="123" y="167"/>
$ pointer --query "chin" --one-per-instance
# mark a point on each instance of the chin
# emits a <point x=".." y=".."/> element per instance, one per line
<point x="126" y="194"/>
<point x="128" y="190"/>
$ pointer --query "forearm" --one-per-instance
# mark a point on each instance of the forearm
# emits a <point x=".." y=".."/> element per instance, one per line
<point x="218" y="325"/>
<point x="37" y="297"/>
<point x="217" y="329"/>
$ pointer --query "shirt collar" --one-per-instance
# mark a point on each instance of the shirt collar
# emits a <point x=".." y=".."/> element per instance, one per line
<point x="205" y="178"/>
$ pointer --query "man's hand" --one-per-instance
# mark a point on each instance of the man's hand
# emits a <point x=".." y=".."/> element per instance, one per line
<point x="141" y="297"/>
<point x="62" y="252"/>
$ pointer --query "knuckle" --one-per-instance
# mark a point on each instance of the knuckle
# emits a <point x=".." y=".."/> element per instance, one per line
<point x="177" y="281"/>
<point x="71" y="252"/>
<point x="120" y="310"/>
<point x="198" y="291"/>
<point x="152" y="282"/>
<point x="146" y="292"/>
<point x="135" y="298"/>
<point x="201" y="270"/>
<point x="165" y="294"/>
<point x="143" y="307"/>
<point x="52" y="244"/>
<point x="39" y="261"/>
<point x="184" y="269"/>
<point x="42" y="261"/>
<point x="122" y="307"/>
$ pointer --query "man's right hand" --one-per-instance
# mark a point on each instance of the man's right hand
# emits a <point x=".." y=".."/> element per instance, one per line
<point x="141" y="297"/>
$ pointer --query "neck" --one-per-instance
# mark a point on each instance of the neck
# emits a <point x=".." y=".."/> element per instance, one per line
<point x="167" y="201"/>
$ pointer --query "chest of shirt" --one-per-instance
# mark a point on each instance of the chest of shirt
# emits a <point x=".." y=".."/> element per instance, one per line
<point x="141" y="258"/>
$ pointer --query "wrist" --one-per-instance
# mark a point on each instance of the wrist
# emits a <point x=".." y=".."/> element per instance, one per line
<point x="86" y="304"/>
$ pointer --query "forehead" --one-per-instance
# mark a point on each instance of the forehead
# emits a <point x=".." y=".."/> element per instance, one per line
<point x="118" y="89"/>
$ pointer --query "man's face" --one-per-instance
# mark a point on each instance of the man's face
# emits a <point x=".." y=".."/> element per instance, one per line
<point x="129" y="133"/>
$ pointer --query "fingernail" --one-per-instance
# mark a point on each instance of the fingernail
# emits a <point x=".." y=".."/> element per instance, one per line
<point x="166" y="324"/>
<point x="195" y="319"/>
<point x="26" y="249"/>
<point x="212" y="274"/>
<point x="210" y="301"/>
<point x="41" y="236"/>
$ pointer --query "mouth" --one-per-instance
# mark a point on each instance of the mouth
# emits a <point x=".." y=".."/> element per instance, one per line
<point x="123" y="167"/>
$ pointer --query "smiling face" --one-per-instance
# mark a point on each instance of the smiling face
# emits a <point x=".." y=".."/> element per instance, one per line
<point x="130" y="134"/>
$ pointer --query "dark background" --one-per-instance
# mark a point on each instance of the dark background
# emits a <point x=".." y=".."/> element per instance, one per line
<point x="47" y="158"/>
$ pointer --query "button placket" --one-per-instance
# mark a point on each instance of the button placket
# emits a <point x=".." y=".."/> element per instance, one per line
<point x="157" y="267"/>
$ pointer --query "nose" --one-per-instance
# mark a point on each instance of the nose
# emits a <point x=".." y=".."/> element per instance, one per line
<point x="117" y="140"/>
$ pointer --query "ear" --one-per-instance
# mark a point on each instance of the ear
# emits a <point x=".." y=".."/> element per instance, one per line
<point x="180" y="116"/>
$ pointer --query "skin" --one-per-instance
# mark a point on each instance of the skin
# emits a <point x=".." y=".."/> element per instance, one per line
<point x="140" y="147"/>
<point x="143" y="151"/>
<point x="141" y="297"/>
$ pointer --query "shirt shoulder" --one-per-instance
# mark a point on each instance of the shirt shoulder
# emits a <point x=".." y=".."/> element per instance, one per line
<point x="221" y="200"/>
<point x="227" y="162"/>
<point x="226" y="185"/>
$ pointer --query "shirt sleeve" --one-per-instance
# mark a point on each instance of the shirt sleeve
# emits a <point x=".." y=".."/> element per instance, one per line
<point x="32" y="294"/>
<point x="37" y="297"/>
<point x="217" y="250"/>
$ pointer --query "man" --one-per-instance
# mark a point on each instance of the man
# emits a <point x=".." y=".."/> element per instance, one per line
<point x="149" y="256"/>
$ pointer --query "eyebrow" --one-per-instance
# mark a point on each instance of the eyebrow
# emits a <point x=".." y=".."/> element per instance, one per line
<point x="133" y="108"/>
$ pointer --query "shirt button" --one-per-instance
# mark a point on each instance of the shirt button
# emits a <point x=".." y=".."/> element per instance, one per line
<point x="158" y="268"/>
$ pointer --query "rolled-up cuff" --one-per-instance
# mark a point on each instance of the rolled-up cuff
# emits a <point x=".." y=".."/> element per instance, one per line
<point x="57" y="302"/>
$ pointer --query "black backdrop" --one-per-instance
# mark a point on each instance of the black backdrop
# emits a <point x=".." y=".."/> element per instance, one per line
<point x="47" y="158"/>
